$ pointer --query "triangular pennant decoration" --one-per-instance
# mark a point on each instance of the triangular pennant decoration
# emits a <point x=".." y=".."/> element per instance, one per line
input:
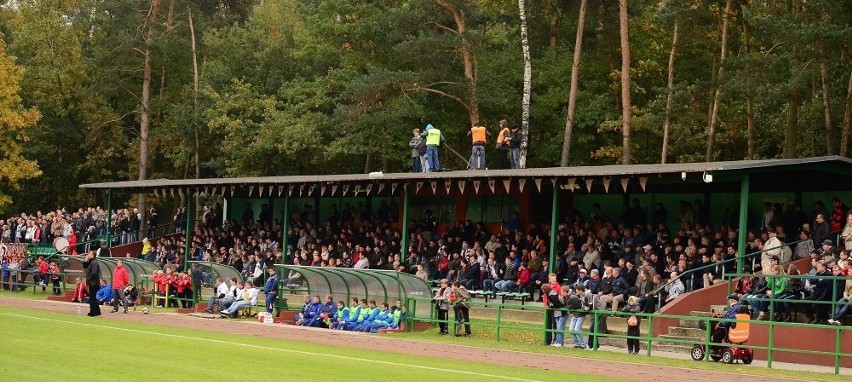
<point x="172" y="192"/>
<point x="624" y="182"/>
<point x="476" y="186"/>
<point x="301" y="189"/>
<point x="434" y="185"/>
<point x="589" y="184"/>
<point x="507" y="184"/>
<point x="251" y="190"/>
<point x="491" y="185"/>
<point x="232" y="191"/>
<point x="538" y="184"/>
<point x="606" y="181"/>
<point x="180" y="192"/>
<point x="553" y="181"/>
<point x="521" y="183"/>
<point x="357" y="189"/>
<point x="345" y="189"/>
<point x="461" y="185"/>
<point x="381" y="187"/>
<point x="311" y="190"/>
<point x="333" y="189"/>
<point x="369" y="188"/>
<point x="206" y="189"/>
<point x="215" y="190"/>
<point x="262" y="190"/>
<point x="222" y="191"/>
<point x="642" y="182"/>
<point x="417" y="187"/>
<point x="393" y="188"/>
<point x="322" y="190"/>
<point x="290" y="190"/>
<point x="280" y="190"/>
<point x="447" y="186"/>
<point x="155" y="193"/>
<point x="572" y="182"/>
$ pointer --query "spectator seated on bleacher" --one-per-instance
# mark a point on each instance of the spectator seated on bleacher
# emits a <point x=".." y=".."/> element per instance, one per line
<point x="618" y="292"/>
<point x="508" y="279"/>
<point x="247" y="299"/>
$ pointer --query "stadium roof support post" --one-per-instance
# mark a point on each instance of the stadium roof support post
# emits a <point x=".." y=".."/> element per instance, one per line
<point x="553" y="229"/>
<point x="404" y="241"/>
<point x="285" y="240"/>
<point x="743" y="223"/>
<point x="187" y="246"/>
<point x="109" y="219"/>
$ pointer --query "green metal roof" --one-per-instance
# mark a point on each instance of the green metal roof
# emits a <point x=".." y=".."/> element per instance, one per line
<point x="671" y="171"/>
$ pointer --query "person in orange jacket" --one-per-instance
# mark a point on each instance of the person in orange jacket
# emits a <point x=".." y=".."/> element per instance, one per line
<point x="120" y="278"/>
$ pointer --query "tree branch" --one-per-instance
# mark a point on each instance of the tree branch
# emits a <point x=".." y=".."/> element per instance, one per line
<point x="442" y="94"/>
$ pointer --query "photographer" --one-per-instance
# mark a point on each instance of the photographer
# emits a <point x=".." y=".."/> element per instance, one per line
<point x="441" y="299"/>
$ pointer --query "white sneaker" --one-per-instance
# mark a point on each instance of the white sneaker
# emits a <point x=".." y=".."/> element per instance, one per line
<point x="832" y="322"/>
<point x="557" y="345"/>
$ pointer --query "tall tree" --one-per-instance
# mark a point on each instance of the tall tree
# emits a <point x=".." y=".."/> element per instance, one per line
<point x="525" y="103"/>
<point x="826" y="106"/>
<point x="669" y="95"/>
<point x="847" y="119"/>
<point x="572" y="93"/>
<point x="14" y="122"/>
<point x="626" y="105"/>
<point x="145" y="113"/>
<point x="717" y="97"/>
<point x="471" y="72"/>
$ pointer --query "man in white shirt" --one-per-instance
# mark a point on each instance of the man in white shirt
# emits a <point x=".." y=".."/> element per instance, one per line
<point x="221" y="296"/>
<point x="771" y="248"/>
<point x="248" y="297"/>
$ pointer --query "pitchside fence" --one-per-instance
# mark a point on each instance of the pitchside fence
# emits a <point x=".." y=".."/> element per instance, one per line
<point x="499" y="327"/>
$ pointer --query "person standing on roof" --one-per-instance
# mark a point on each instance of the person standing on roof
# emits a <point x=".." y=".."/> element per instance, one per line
<point x="478" y="136"/>
<point x="504" y="145"/>
<point x="434" y="138"/>
<point x="418" y="151"/>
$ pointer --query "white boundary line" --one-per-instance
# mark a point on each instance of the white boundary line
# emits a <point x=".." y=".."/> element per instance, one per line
<point x="302" y="352"/>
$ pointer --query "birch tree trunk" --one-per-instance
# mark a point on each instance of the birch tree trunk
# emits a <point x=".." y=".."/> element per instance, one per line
<point x="626" y="112"/>
<point x="826" y="107"/>
<point x="145" y="116"/>
<point x="669" y="95"/>
<point x="195" y="88"/>
<point x="714" y="116"/>
<point x="847" y="119"/>
<point x="572" y="93"/>
<point x="525" y="103"/>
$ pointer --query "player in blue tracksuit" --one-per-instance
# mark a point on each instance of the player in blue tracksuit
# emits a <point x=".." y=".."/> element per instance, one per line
<point x="312" y="316"/>
<point x="378" y="319"/>
<point x="388" y="321"/>
<point x="367" y="320"/>
<point x="357" y="316"/>
<point x="340" y="316"/>
<point x="326" y="311"/>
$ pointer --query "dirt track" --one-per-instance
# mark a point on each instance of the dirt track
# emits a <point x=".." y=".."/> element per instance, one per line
<point x="634" y="371"/>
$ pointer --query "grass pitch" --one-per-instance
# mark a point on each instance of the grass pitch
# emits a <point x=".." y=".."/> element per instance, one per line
<point x="44" y="346"/>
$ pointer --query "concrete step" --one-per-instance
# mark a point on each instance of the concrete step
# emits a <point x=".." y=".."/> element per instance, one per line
<point x="699" y="313"/>
<point x="676" y="331"/>
<point x="718" y="309"/>
<point x="655" y="346"/>
<point x="666" y="339"/>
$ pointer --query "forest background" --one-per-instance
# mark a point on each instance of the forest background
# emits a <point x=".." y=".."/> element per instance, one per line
<point x="105" y="90"/>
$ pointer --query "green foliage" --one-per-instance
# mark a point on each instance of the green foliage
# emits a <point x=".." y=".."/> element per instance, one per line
<point x="336" y="86"/>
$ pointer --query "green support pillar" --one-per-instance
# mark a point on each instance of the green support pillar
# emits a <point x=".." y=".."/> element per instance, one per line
<point x="553" y="227"/>
<point x="743" y="229"/>
<point x="190" y="217"/>
<point x="285" y="240"/>
<point x="403" y="246"/>
<point x="109" y="219"/>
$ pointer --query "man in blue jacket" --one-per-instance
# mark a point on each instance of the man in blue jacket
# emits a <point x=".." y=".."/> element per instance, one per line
<point x="270" y="289"/>
<point x="104" y="294"/>
<point x="361" y="313"/>
<point x="311" y="312"/>
<point x="364" y="323"/>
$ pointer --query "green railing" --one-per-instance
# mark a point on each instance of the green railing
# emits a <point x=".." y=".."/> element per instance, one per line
<point x="47" y="250"/>
<point x="650" y="341"/>
<point x="21" y="280"/>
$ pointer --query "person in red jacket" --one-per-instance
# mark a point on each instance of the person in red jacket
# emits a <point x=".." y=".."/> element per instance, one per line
<point x="120" y="278"/>
<point x="40" y="275"/>
<point x="80" y="291"/>
<point x="183" y="289"/>
<point x="523" y="276"/>
<point x="55" y="275"/>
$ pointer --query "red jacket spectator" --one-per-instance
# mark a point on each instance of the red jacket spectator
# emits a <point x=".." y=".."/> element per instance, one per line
<point x="80" y="292"/>
<point x="120" y="277"/>
<point x="523" y="276"/>
<point x="42" y="266"/>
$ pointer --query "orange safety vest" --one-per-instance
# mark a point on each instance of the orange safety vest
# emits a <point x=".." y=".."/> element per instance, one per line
<point x="504" y="133"/>
<point x="477" y="134"/>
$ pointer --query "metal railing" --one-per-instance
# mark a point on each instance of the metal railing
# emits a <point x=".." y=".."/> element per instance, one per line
<point x="598" y="317"/>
